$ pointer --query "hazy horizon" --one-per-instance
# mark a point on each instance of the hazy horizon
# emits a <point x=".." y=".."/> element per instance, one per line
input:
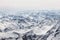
<point x="30" y="4"/>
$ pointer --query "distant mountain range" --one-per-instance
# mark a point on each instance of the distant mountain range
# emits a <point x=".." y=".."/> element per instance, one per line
<point x="29" y="25"/>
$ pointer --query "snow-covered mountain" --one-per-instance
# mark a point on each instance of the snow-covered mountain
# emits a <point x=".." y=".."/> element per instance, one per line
<point x="29" y="25"/>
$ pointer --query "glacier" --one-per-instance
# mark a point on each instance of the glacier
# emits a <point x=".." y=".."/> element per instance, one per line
<point x="29" y="24"/>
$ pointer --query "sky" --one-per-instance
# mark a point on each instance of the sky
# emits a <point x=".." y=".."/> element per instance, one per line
<point x="39" y="4"/>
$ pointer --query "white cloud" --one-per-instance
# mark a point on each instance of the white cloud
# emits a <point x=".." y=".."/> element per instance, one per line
<point x="54" y="4"/>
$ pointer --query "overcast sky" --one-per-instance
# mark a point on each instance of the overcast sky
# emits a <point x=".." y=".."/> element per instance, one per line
<point x="40" y="4"/>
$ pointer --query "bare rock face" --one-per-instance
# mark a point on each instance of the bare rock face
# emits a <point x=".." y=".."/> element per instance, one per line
<point x="39" y="25"/>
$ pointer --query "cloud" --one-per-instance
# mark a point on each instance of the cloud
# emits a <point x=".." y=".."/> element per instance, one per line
<point x="54" y="4"/>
